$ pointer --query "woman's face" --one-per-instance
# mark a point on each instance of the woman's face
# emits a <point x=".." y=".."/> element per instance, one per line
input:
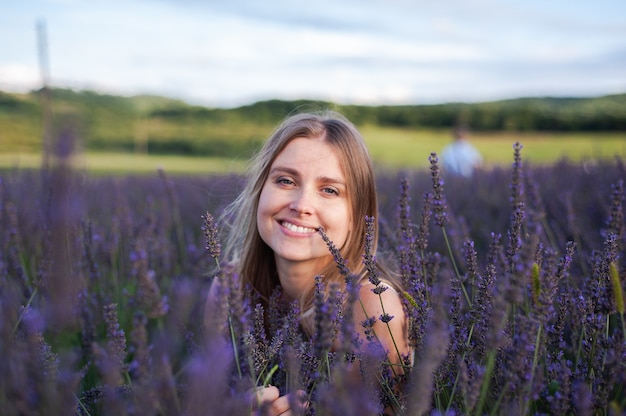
<point x="306" y="189"/>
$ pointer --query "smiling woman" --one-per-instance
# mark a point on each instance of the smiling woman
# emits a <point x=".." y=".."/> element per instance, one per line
<point x="303" y="210"/>
<point x="297" y="200"/>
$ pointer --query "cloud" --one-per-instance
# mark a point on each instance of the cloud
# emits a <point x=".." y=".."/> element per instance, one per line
<point x="18" y="78"/>
<point x="371" y="51"/>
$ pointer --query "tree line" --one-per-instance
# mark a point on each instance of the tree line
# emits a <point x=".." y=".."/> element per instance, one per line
<point x="606" y="113"/>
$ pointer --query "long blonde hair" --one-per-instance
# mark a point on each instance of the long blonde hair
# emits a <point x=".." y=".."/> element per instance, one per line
<point x="245" y="249"/>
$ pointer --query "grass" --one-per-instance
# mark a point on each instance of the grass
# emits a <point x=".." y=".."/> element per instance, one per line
<point x="546" y="148"/>
<point x="391" y="148"/>
<point x="404" y="148"/>
<point x="129" y="163"/>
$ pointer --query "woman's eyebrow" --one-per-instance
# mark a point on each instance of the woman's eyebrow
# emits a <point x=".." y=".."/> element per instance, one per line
<point x="284" y="169"/>
<point x="327" y="179"/>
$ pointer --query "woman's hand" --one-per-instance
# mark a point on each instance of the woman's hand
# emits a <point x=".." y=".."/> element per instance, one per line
<point x="267" y="401"/>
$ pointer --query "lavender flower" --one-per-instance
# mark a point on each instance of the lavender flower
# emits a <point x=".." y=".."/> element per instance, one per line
<point x="615" y="222"/>
<point x="439" y="203"/>
<point x="368" y="325"/>
<point x="149" y="295"/>
<point x="213" y="245"/>
<point x="421" y="241"/>
<point x="404" y="210"/>
<point x="369" y="260"/>
<point x="515" y="237"/>
<point x="432" y="355"/>
<point x="116" y="345"/>
<point x="406" y="247"/>
<point x="339" y="261"/>
<point x="140" y="365"/>
<point x="349" y="338"/>
<point x="92" y="266"/>
<point x="386" y="318"/>
<point x="517" y="184"/>
<point x="583" y="401"/>
<point x="148" y="291"/>
<point x="471" y="261"/>
<point x="256" y="341"/>
<point x="543" y="333"/>
<point x="324" y="318"/>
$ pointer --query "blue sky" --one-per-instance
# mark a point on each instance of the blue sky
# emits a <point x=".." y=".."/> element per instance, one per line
<point x="227" y="53"/>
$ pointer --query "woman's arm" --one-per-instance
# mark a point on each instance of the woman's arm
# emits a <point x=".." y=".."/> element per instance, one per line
<point x="392" y="335"/>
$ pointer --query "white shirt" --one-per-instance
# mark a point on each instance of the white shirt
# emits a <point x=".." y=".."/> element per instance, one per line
<point x="460" y="158"/>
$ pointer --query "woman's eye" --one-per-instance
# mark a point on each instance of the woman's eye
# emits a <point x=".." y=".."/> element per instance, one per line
<point x="330" y="191"/>
<point x="284" y="181"/>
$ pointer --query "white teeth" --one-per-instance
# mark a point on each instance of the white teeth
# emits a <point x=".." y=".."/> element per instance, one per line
<point x="298" y="229"/>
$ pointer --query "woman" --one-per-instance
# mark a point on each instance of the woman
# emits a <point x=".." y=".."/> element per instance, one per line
<point x="313" y="173"/>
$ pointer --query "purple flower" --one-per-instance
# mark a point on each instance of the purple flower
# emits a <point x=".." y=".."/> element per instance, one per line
<point x="324" y="318"/>
<point x="421" y="241"/>
<point x="517" y="189"/>
<point x="341" y="263"/>
<point x="615" y="221"/>
<point x="368" y="257"/>
<point x="439" y="203"/>
<point x="209" y="227"/>
<point x="368" y="324"/>
<point x="140" y="366"/>
<point x="515" y="236"/>
<point x="386" y="318"/>
<point x="116" y="338"/>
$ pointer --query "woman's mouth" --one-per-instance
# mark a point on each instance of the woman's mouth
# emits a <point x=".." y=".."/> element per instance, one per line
<point x="297" y="228"/>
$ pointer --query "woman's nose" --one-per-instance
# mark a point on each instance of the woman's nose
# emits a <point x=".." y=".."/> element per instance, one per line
<point x="302" y="202"/>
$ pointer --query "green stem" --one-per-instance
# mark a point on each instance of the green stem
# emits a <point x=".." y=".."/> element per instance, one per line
<point x="532" y="371"/>
<point x="24" y="311"/>
<point x="456" y="269"/>
<point x="82" y="406"/>
<point x="452" y="393"/>
<point x="426" y="291"/>
<point x="580" y="347"/>
<point x="268" y="377"/>
<point x="456" y="380"/>
<point x="233" y="340"/>
<point x="393" y="339"/>
<point x="484" y="389"/>
<point x="505" y="390"/>
<point x="549" y="233"/>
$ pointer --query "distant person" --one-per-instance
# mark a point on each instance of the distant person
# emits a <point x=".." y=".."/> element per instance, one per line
<point x="460" y="157"/>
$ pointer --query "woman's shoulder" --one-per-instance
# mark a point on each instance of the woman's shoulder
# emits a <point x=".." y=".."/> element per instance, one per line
<point x="383" y="295"/>
<point x="382" y="306"/>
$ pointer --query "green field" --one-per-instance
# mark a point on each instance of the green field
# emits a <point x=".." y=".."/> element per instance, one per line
<point x="128" y="163"/>
<point x="400" y="148"/>
<point x="128" y="135"/>
<point x="391" y="148"/>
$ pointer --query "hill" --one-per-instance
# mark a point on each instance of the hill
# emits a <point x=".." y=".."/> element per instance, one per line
<point x="161" y="125"/>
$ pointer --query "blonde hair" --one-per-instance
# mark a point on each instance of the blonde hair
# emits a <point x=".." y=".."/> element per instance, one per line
<point x="245" y="249"/>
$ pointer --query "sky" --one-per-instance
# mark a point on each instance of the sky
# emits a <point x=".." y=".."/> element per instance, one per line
<point x="225" y="53"/>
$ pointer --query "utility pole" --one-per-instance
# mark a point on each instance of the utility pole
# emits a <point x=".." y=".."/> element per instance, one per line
<point x="45" y="94"/>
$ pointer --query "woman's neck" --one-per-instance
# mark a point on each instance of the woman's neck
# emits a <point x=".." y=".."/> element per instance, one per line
<point x="297" y="278"/>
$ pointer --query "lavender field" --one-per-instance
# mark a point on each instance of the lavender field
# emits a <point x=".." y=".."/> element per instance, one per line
<point x="514" y="279"/>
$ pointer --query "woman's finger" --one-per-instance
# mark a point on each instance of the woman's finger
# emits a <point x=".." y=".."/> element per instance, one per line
<point x="262" y="396"/>
<point x="296" y="402"/>
<point x="268" y="402"/>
